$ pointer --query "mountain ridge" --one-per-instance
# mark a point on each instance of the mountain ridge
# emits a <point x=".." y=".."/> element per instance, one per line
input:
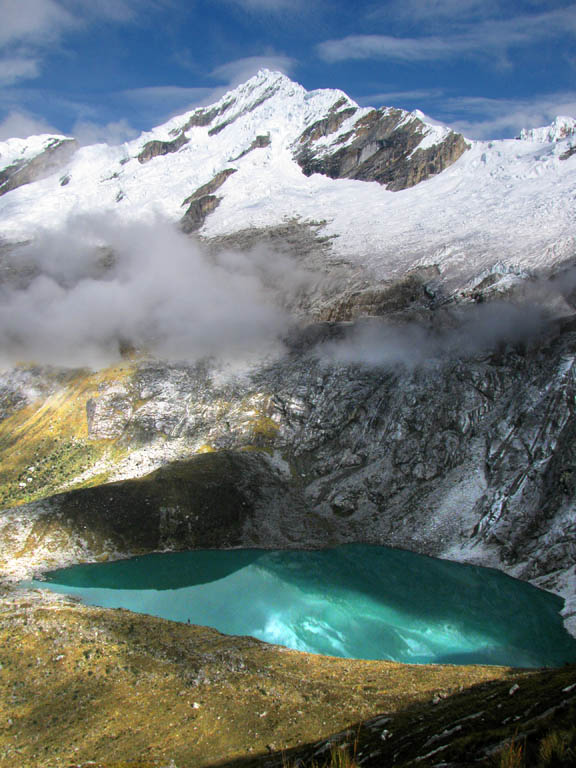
<point x="311" y="157"/>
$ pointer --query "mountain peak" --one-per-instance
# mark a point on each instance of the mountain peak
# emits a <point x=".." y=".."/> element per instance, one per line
<point x="562" y="127"/>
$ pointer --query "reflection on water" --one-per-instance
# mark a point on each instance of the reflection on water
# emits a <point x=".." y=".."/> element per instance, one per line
<point x="357" y="601"/>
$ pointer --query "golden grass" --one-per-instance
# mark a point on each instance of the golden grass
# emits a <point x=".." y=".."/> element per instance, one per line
<point x="81" y="684"/>
<point x="51" y="435"/>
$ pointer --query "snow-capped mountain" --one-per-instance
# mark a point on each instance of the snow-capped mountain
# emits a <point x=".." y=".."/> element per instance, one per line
<point x="393" y="191"/>
<point x="561" y="128"/>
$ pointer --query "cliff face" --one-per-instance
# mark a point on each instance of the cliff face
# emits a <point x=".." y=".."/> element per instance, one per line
<point x="382" y="146"/>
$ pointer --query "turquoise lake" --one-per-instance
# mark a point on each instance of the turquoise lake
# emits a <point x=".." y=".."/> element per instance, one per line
<point x="357" y="601"/>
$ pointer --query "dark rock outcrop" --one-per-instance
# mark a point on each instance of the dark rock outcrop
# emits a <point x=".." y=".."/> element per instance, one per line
<point x="156" y="148"/>
<point x="57" y="153"/>
<point x="214" y="500"/>
<point x="202" y="202"/>
<point x="260" y="142"/>
<point x="199" y="119"/>
<point x="385" y="299"/>
<point x="384" y="149"/>
<point x="326" y="126"/>
<point x="210" y="187"/>
<point x="197" y="211"/>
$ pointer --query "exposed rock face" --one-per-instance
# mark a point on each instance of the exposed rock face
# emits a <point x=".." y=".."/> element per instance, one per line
<point x="197" y="211"/>
<point x="199" y="119"/>
<point x="328" y="125"/>
<point x="415" y="290"/>
<point x="301" y="240"/>
<point x="108" y="415"/>
<point x="202" y="202"/>
<point x="260" y="142"/>
<point x="381" y="146"/>
<point x="157" y="148"/>
<point x="211" y="186"/>
<point x="212" y="501"/>
<point x="317" y="281"/>
<point x="57" y="154"/>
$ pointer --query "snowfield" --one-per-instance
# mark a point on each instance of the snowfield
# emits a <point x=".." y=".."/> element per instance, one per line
<point x="506" y="202"/>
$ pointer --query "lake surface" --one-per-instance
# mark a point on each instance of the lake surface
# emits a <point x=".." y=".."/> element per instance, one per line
<point x="358" y="601"/>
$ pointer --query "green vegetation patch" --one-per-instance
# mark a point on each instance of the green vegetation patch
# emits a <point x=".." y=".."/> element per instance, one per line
<point x="45" y="445"/>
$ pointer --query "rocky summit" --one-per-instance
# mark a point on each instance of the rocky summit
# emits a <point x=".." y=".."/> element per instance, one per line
<point x="284" y="320"/>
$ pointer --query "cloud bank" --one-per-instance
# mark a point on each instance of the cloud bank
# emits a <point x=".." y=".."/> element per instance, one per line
<point x="487" y="39"/>
<point x="19" y="124"/>
<point x="81" y="296"/>
<point x="472" y="330"/>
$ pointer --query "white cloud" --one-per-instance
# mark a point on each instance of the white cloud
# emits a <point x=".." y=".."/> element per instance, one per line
<point x="390" y="98"/>
<point x="238" y="71"/>
<point x="113" y="10"/>
<point x="426" y="10"/>
<point x="162" y="293"/>
<point x="156" y="104"/>
<point x="388" y="47"/>
<point x="167" y="98"/>
<point x="486" y="118"/>
<point x="20" y="125"/>
<point x="36" y="21"/>
<point x="13" y="69"/>
<point x="165" y="93"/>
<point x="270" y="5"/>
<point x="87" y="132"/>
<point x="487" y="39"/>
<point x="39" y="25"/>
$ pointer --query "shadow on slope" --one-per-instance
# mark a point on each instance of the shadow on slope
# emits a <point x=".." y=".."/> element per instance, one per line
<point x="473" y="727"/>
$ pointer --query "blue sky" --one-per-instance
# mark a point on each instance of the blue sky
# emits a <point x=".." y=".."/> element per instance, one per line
<point x="107" y="69"/>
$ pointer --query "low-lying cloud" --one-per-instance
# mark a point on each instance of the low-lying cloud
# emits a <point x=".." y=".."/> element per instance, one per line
<point x="81" y="296"/>
<point x="85" y="295"/>
<point x="465" y="332"/>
